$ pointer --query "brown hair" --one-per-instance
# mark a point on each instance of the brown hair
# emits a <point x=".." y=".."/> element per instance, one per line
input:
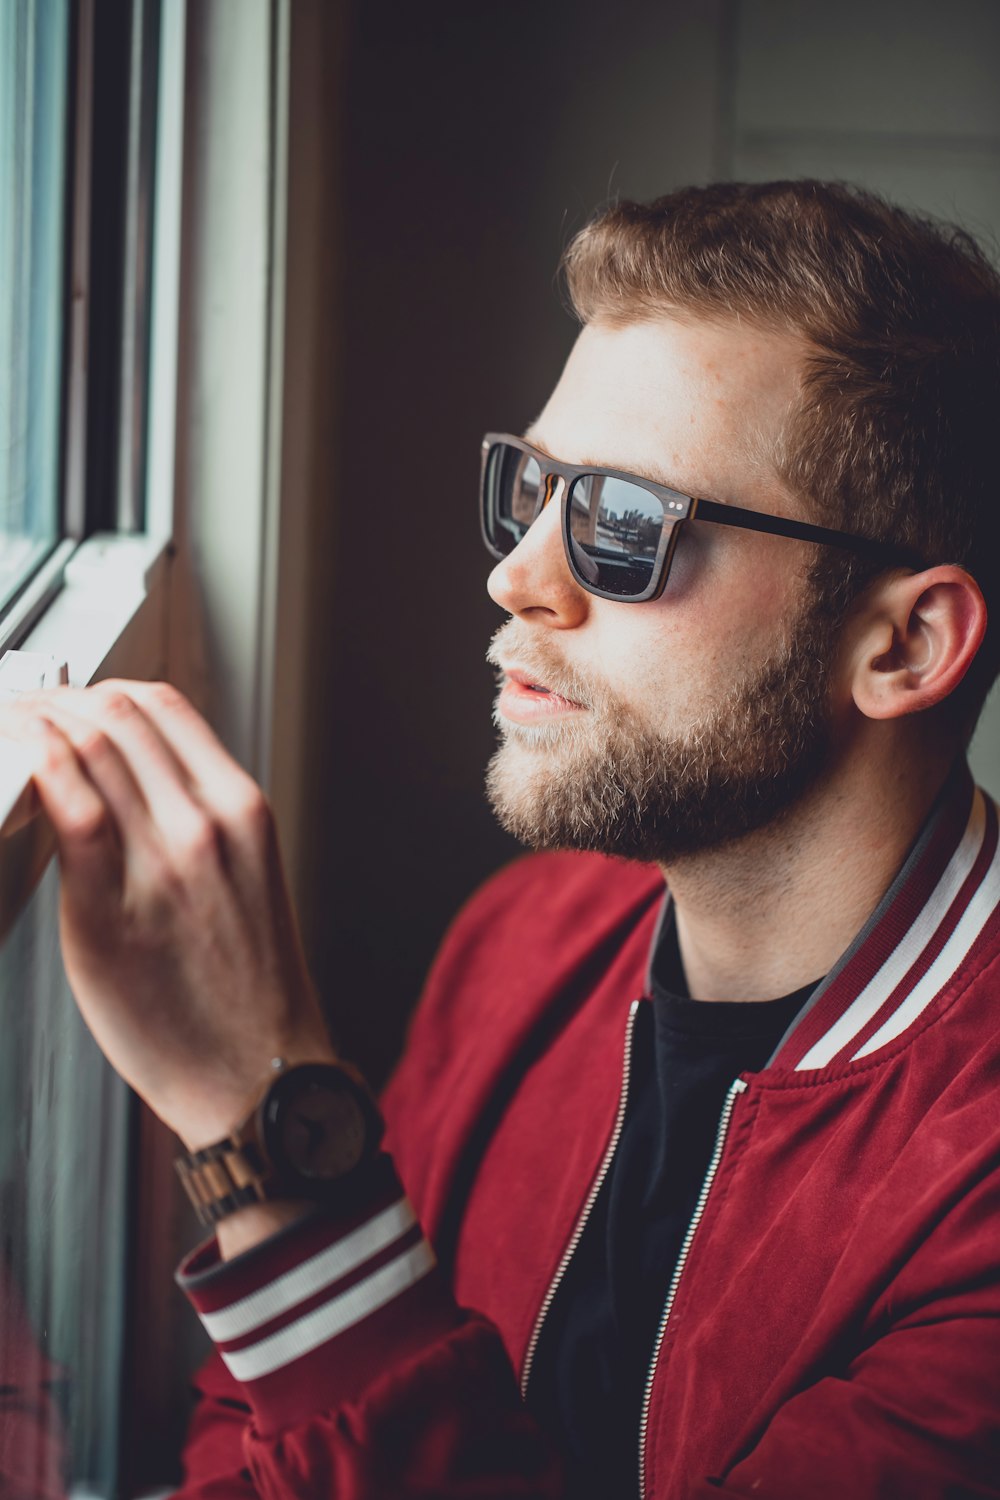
<point x="896" y="434"/>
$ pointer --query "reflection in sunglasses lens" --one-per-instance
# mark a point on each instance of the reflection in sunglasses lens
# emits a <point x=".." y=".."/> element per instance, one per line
<point x="514" y="493"/>
<point x="617" y="526"/>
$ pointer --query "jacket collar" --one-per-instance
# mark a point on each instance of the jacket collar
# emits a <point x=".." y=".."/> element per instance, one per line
<point x="936" y="911"/>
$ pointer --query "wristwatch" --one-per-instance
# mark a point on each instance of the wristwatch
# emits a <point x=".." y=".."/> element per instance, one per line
<point x="312" y="1130"/>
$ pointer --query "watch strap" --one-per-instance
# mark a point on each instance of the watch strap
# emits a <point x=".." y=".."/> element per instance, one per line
<point x="231" y="1173"/>
<point x="224" y="1177"/>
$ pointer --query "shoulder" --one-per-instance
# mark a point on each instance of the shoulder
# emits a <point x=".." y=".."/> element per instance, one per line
<point x="542" y="923"/>
<point x="551" y="881"/>
<point x="524" y="953"/>
<point x="548" y="899"/>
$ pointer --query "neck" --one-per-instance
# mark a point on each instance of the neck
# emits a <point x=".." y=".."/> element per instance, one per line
<point x="773" y="911"/>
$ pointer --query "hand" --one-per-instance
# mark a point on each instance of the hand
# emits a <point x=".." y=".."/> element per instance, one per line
<point x="178" y="936"/>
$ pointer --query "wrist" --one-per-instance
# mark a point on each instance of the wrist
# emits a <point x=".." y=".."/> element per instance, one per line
<point x="212" y="1114"/>
<point x="250" y="1226"/>
<point x="308" y="1140"/>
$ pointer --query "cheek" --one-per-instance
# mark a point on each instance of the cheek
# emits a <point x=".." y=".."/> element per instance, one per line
<point x="721" y="616"/>
<point x="735" y="589"/>
<point x="673" y="660"/>
<point x="652" y="667"/>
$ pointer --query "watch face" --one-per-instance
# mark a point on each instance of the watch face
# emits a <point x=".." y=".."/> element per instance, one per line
<point x="314" y="1124"/>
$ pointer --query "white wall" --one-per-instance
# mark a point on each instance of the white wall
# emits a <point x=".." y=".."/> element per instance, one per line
<point x="900" y="96"/>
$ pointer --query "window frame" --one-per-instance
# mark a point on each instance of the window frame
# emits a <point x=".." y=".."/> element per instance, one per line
<point x="99" y="603"/>
<point x="218" y="594"/>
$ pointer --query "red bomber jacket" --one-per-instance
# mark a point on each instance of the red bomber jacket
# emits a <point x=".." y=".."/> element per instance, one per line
<point x="832" y="1328"/>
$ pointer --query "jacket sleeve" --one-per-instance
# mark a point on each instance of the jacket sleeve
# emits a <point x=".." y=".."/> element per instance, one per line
<point x="33" y="1449"/>
<point x="915" y="1410"/>
<point x="344" y="1368"/>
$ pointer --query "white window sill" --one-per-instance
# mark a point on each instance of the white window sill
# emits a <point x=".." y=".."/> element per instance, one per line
<point x="106" y="602"/>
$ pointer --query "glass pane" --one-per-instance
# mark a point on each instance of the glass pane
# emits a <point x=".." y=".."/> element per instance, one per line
<point x="63" y="1175"/>
<point x="33" y="93"/>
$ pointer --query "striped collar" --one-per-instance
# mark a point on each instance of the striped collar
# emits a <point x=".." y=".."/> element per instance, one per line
<point x="939" y="909"/>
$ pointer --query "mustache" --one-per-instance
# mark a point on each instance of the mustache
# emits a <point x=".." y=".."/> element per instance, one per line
<point x="514" y="645"/>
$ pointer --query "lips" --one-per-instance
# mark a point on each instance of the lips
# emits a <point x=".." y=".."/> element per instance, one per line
<point x="523" y="680"/>
<point x="526" y="700"/>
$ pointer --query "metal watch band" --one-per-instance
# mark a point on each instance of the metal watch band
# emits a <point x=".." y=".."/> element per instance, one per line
<point x="223" y="1177"/>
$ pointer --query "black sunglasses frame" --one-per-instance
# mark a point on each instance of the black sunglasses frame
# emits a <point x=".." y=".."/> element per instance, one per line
<point x="677" y="508"/>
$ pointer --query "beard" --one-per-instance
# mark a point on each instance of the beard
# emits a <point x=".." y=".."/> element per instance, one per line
<point x="604" y="780"/>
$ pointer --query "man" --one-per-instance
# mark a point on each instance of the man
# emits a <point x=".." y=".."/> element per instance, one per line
<point x="715" y="1175"/>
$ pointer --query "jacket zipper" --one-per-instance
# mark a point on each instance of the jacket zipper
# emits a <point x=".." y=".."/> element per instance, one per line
<point x="581" y="1223"/>
<point x="737" y="1088"/>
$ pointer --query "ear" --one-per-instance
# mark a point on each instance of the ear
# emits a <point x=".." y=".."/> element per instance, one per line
<point x="918" y="634"/>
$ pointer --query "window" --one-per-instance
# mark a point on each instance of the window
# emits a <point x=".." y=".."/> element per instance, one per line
<point x="82" y="582"/>
<point x="152" y="93"/>
<point x="33" y="99"/>
<point x="63" y="1177"/>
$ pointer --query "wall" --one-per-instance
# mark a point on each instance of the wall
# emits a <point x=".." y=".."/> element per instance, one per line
<point x="476" y="141"/>
<point x="901" y="97"/>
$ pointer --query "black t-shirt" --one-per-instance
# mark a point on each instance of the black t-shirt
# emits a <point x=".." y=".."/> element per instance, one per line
<point x="593" y="1357"/>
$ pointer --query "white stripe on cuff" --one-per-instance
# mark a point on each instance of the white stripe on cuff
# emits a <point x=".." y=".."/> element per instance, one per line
<point x="311" y="1276"/>
<point x="332" y="1317"/>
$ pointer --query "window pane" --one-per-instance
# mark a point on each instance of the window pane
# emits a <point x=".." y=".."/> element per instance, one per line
<point x="33" y="92"/>
<point x="63" y="1177"/>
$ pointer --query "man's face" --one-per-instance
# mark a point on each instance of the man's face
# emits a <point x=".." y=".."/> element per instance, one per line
<point x="674" y="725"/>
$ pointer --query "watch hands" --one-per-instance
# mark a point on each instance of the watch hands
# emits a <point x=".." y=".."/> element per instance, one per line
<point x="314" y="1129"/>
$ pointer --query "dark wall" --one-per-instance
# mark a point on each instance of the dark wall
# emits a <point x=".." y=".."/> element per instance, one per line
<point x="476" y="139"/>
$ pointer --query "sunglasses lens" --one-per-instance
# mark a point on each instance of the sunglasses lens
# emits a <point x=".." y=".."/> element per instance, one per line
<point x="513" y="496"/>
<point x="616" y="529"/>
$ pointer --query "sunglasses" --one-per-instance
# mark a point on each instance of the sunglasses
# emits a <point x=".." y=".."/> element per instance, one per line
<point x="620" y="531"/>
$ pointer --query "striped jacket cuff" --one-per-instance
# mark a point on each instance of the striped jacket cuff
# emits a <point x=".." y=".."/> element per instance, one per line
<point x="308" y="1317"/>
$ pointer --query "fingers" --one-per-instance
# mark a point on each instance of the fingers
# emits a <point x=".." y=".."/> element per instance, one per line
<point x="183" y="956"/>
<point x="145" y="784"/>
<point x="237" y="807"/>
<point x="89" y="850"/>
<point x="109" y="771"/>
<point x="166" y="778"/>
<point x="231" y="797"/>
<point x="217" y="776"/>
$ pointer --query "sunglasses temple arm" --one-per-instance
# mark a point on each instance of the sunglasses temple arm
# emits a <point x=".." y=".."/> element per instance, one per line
<point x="803" y="531"/>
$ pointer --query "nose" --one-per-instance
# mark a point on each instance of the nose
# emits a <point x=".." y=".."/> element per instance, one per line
<point x="534" y="581"/>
